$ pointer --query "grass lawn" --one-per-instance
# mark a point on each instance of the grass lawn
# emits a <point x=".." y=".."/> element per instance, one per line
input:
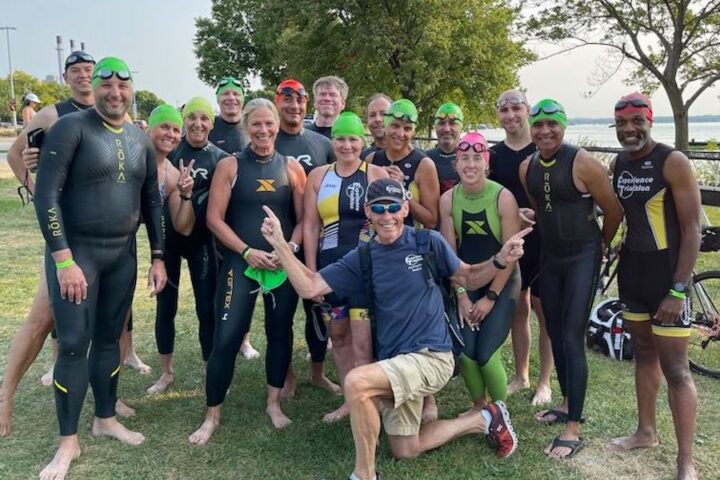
<point x="247" y="447"/>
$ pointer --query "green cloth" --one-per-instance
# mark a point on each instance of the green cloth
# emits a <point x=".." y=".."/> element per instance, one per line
<point x="402" y="109"/>
<point x="198" y="104"/>
<point x="449" y="108"/>
<point x="165" y="114"/>
<point x="490" y="378"/>
<point x="113" y="64"/>
<point x="230" y="85"/>
<point x="548" y="103"/>
<point x="348" y="125"/>
<point x="267" y="279"/>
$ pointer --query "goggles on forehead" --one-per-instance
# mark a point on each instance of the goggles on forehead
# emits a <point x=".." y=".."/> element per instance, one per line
<point x="477" y="147"/>
<point x="106" y="74"/>
<point x="78" y="58"/>
<point x="402" y="116"/>
<point x="635" y="102"/>
<point x="453" y="117"/>
<point x="547" y="109"/>
<point x="289" y="91"/>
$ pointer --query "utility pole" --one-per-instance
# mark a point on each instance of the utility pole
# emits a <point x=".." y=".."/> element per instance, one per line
<point x="59" y="48"/>
<point x="12" y="84"/>
<point x="134" y="107"/>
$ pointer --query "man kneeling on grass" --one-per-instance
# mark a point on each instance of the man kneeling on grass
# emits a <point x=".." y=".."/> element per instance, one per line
<point x="413" y="346"/>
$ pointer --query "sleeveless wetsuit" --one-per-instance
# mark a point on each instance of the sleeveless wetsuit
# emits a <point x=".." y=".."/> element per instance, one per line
<point x="93" y="182"/>
<point x="479" y="236"/>
<point x="446" y="171"/>
<point x="505" y="169"/>
<point x="228" y="137"/>
<point x="340" y="205"/>
<point x="260" y="181"/>
<point x="312" y="150"/>
<point x="571" y="252"/>
<point x="408" y="165"/>
<point x="198" y="249"/>
<point x="652" y="239"/>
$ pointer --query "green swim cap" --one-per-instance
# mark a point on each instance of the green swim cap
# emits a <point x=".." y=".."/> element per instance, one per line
<point x="165" y="114"/>
<point x="450" y="111"/>
<point x="548" y="109"/>
<point x="348" y="125"/>
<point x="109" y="66"/>
<point x="229" y="83"/>
<point x="198" y="104"/>
<point x="267" y="279"/>
<point x="402" y="109"/>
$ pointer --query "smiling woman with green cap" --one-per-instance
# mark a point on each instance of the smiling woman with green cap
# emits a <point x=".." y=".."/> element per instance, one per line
<point x="241" y="186"/>
<point x="334" y="224"/>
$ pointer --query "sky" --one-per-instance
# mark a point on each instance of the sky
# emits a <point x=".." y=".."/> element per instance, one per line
<point x="155" y="38"/>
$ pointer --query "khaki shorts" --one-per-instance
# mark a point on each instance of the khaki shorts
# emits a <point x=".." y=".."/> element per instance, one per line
<point x="413" y="376"/>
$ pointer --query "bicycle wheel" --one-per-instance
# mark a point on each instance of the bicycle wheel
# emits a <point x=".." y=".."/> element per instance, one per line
<point x="704" y="342"/>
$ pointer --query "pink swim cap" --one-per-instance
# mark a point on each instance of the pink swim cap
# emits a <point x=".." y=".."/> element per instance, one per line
<point x="468" y="142"/>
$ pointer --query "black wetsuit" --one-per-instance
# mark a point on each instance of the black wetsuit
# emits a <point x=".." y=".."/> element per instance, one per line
<point x="571" y="252"/>
<point x="505" y="169"/>
<point x="93" y="182"/>
<point x="447" y="174"/>
<point x="372" y="148"/>
<point x="324" y="131"/>
<point x="312" y="150"/>
<point x="259" y="181"/>
<point x="228" y="137"/>
<point x="198" y="249"/>
<point x="408" y="165"/>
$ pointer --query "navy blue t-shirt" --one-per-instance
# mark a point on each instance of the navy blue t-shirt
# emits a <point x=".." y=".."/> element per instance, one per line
<point x="408" y="311"/>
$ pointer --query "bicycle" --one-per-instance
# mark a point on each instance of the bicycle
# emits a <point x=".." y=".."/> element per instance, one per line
<point x="703" y="303"/>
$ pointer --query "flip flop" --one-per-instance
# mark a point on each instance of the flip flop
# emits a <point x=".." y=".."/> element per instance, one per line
<point x="574" y="445"/>
<point x="560" y="417"/>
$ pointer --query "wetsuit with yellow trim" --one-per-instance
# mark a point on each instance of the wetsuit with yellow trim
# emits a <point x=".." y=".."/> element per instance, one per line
<point x="340" y="205"/>
<point x="651" y="243"/>
<point x="408" y="165"/>
<point x="569" y="266"/>
<point x="93" y="182"/>
<point x="478" y="232"/>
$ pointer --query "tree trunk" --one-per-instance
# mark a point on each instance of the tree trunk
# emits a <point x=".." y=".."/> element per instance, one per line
<point x="680" y="117"/>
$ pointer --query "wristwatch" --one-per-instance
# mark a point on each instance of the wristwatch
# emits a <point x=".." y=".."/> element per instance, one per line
<point x="497" y="263"/>
<point x="679" y="287"/>
<point x="294" y="246"/>
<point x="491" y="295"/>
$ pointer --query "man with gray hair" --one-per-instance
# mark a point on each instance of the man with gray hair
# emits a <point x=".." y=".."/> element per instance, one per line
<point x="330" y="94"/>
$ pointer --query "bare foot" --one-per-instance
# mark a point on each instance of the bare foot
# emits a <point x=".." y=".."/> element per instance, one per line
<point x="631" y="442"/>
<point x="288" y="390"/>
<point x="6" y="408"/>
<point x="686" y="472"/>
<point x="162" y="384"/>
<point x="338" y="414"/>
<point x="325" y="383"/>
<point x="543" y="395"/>
<point x="203" y="434"/>
<point x="47" y="379"/>
<point x="516" y="385"/>
<point x="134" y="362"/>
<point x="123" y="410"/>
<point x="430" y="410"/>
<point x="277" y="417"/>
<point x="60" y="464"/>
<point x="110" y="427"/>
<point x="248" y="352"/>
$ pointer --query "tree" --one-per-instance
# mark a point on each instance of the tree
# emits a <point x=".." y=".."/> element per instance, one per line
<point x="674" y="43"/>
<point x="146" y="102"/>
<point x="429" y="51"/>
<point x="49" y="92"/>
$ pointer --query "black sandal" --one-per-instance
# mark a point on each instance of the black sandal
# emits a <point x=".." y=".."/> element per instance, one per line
<point x="574" y="445"/>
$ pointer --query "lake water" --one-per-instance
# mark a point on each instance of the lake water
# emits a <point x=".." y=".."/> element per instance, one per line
<point x="602" y="136"/>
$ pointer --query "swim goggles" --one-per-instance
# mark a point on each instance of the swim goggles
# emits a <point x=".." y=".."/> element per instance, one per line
<point x="512" y="101"/>
<point x="453" y="117"/>
<point x="635" y="102"/>
<point x="106" y="74"/>
<point x="289" y="91"/>
<point x="412" y="118"/>
<point x="477" y="147"/>
<point x="81" y="57"/>
<point x="547" y="109"/>
<point x="381" y="208"/>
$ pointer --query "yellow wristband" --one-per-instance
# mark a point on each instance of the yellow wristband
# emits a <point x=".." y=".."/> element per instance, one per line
<point x="64" y="263"/>
<point x="460" y="290"/>
<point x="246" y="253"/>
<point x="676" y="294"/>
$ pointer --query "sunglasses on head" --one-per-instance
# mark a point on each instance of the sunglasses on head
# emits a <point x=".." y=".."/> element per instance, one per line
<point x="289" y="91"/>
<point x="106" y="74"/>
<point x="547" y="109"/>
<point x="226" y="81"/>
<point x="635" y="102"/>
<point x="402" y="116"/>
<point x="78" y="58"/>
<point x="381" y="208"/>
<point x="447" y="116"/>
<point x="477" y="147"/>
<point x="512" y="101"/>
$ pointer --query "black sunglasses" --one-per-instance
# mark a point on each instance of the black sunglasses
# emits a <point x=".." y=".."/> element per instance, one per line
<point x="79" y="57"/>
<point x="635" y="102"/>
<point x="477" y="147"/>
<point x="289" y="91"/>
<point x="512" y="101"/>
<point x="106" y="74"/>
